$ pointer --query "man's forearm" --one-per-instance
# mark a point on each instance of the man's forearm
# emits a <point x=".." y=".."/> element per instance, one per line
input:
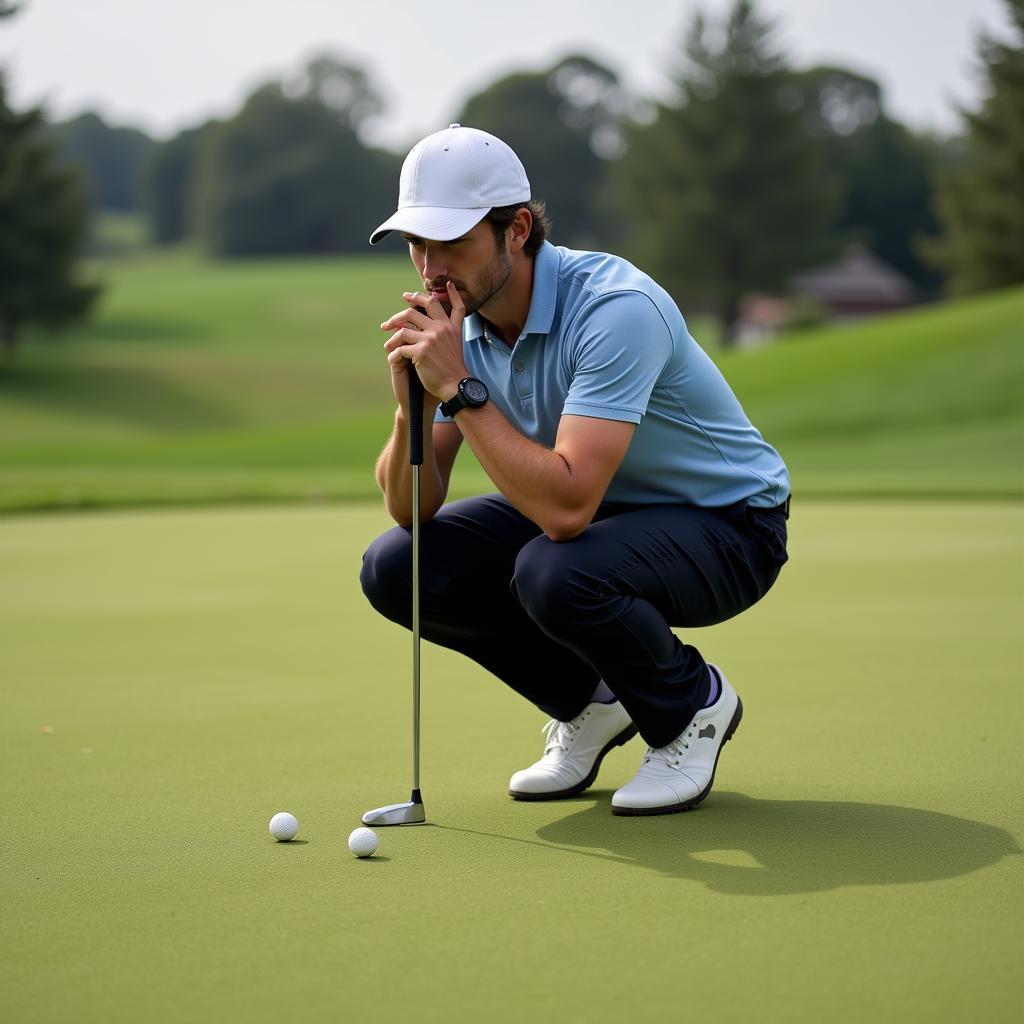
<point x="537" y="480"/>
<point x="394" y="474"/>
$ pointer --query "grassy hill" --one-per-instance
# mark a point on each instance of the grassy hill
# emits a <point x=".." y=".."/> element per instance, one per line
<point x="927" y="402"/>
<point x="264" y="380"/>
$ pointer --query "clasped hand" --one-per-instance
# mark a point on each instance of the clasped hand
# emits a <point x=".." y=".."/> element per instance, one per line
<point x="431" y="339"/>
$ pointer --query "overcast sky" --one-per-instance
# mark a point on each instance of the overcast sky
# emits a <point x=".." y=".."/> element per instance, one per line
<point x="162" y="65"/>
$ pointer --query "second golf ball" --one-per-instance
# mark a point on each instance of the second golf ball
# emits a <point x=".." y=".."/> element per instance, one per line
<point x="283" y="826"/>
<point x="363" y="842"/>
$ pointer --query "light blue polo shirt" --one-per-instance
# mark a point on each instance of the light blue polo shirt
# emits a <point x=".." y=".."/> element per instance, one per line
<point x="604" y="340"/>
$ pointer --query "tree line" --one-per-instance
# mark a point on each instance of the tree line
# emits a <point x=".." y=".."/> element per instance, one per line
<point x="754" y="170"/>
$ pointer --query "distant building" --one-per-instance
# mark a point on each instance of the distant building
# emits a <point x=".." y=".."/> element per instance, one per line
<point x="761" y="318"/>
<point x="858" y="284"/>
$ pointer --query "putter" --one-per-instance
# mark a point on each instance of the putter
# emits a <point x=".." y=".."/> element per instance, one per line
<point x="411" y="812"/>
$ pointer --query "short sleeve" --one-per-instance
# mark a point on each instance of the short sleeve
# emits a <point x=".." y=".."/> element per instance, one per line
<point x="619" y="345"/>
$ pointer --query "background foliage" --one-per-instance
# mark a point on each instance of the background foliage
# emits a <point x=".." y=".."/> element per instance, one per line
<point x="756" y="170"/>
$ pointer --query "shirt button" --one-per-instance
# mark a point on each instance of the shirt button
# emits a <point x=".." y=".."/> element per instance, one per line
<point x="520" y="366"/>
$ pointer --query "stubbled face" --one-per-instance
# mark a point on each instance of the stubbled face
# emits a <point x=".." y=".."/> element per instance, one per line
<point x="475" y="263"/>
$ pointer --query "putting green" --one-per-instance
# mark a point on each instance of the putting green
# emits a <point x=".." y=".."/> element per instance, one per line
<point x="170" y="680"/>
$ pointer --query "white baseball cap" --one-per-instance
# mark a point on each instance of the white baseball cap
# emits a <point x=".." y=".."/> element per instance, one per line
<point x="451" y="180"/>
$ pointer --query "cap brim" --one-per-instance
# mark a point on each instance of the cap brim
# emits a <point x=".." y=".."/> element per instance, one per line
<point x="435" y="223"/>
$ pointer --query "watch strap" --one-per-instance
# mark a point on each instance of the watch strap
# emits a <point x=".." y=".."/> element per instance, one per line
<point x="454" y="404"/>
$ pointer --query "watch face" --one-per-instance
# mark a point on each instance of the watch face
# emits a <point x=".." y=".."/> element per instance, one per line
<point x="475" y="391"/>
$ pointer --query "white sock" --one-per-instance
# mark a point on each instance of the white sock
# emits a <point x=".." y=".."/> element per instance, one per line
<point x="603" y="695"/>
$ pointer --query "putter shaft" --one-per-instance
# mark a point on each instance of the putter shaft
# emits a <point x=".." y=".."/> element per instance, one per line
<point x="416" y="632"/>
<point x="411" y="812"/>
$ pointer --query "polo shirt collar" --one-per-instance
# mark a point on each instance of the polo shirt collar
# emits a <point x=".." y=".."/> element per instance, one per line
<point x="542" y="302"/>
<point x="545" y="291"/>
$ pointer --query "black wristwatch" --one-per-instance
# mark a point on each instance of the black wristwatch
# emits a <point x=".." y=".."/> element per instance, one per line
<point x="472" y="393"/>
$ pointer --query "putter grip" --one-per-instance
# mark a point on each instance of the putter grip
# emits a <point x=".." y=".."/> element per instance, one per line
<point x="415" y="417"/>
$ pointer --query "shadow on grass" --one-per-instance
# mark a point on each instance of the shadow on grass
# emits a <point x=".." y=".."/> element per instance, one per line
<point x="740" y="846"/>
<point x="130" y="394"/>
<point x="137" y="330"/>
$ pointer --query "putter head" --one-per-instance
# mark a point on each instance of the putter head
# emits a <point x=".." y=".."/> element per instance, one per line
<point x="409" y="813"/>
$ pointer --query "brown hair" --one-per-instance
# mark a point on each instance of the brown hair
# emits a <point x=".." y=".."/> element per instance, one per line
<point x="500" y="218"/>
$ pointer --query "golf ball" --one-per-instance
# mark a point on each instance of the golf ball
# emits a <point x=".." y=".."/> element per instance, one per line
<point x="363" y="842"/>
<point x="283" y="826"/>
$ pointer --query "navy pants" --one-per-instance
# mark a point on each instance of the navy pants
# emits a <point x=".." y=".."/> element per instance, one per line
<point x="551" y="619"/>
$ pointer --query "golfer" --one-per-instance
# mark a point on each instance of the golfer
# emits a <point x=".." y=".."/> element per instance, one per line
<point x="634" y="495"/>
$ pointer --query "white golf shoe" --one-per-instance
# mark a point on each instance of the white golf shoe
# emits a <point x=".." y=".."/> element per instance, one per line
<point x="679" y="776"/>
<point x="573" y="753"/>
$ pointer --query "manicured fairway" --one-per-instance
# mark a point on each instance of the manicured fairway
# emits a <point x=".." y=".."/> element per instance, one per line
<point x="170" y="680"/>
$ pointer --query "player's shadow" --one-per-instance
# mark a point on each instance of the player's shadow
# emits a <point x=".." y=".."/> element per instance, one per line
<point x="738" y="845"/>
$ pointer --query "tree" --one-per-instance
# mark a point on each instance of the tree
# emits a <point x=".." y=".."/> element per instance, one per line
<point x="289" y="173"/>
<point x="168" y="184"/>
<point x="982" y="205"/>
<point x="43" y="221"/>
<point x="728" y="192"/>
<point x="565" y="123"/>
<point x="110" y="158"/>
<point x="342" y="88"/>
<point x="884" y="171"/>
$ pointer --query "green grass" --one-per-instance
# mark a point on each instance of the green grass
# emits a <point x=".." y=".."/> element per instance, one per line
<point x="172" y="679"/>
<point x="264" y="380"/>
<point x="115" y="233"/>
<point x="199" y="381"/>
<point x="929" y="402"/>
